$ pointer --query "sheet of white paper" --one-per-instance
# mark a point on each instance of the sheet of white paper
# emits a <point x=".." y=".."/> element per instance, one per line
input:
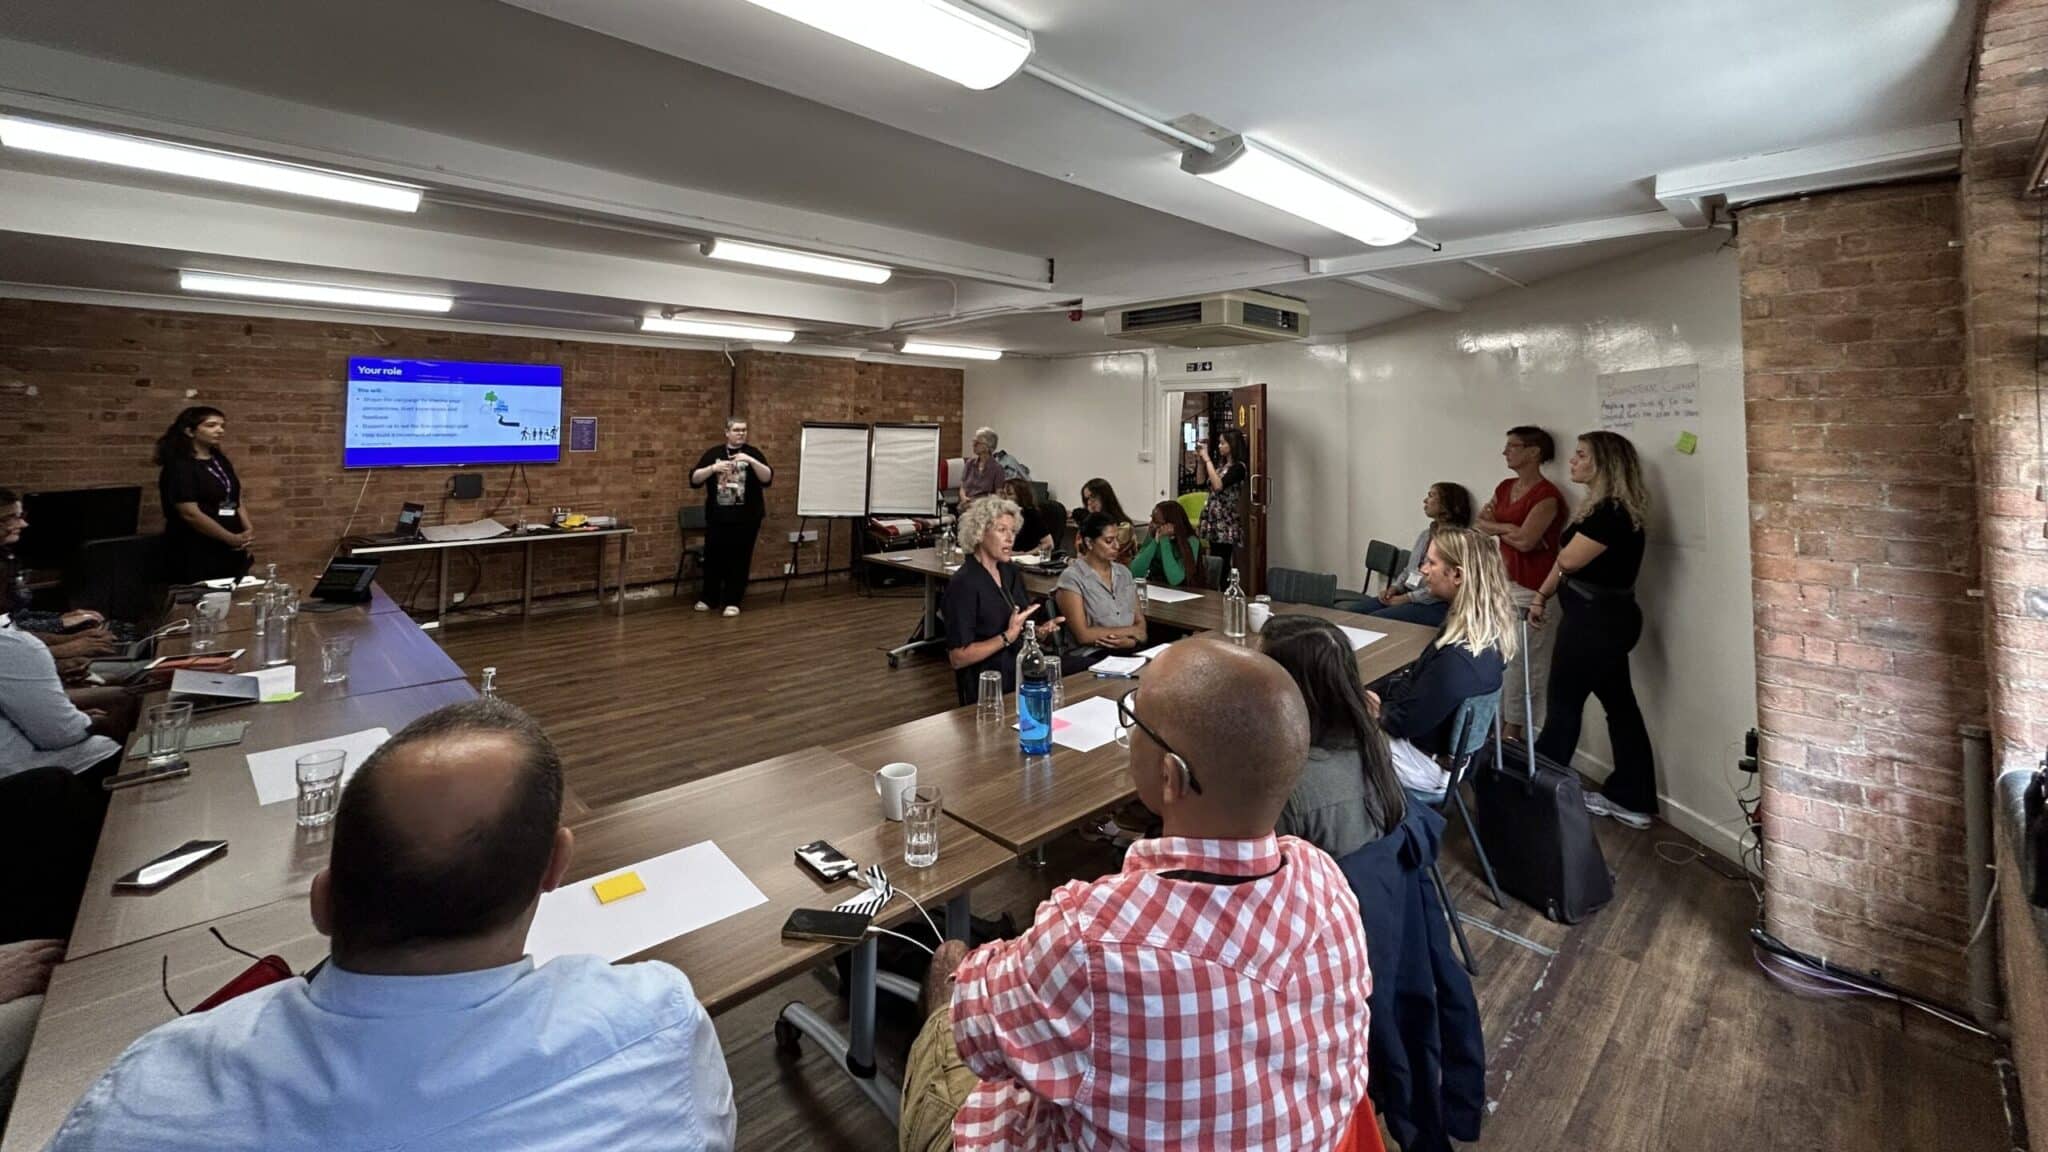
<point x="276" y="772"/>
<point x="1119" y="665"/>
<point x="1169" y="595"/>
<point x="1089" y="724"/>
<point x="1153" y="652"/>
<point x="277" y="681"/>
<point x="229" y="582"/>
<point x="686" y="889"/>
<point x="1360" y="637"/>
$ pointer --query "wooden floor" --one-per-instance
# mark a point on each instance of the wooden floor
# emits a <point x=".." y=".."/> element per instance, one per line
<point x="1649" y="1027"/>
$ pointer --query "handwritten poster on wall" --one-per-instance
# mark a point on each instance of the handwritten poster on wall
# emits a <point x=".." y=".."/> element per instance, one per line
<point x="1649" y="395"/>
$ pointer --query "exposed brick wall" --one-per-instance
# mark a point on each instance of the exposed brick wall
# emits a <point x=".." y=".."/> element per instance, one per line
<point x="108" y="380"/>
<point x="1863" y="549"/>
<point x="2007" y="104"/>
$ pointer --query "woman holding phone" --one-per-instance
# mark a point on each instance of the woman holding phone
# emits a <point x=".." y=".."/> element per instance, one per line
<point x="1224" y="475"/>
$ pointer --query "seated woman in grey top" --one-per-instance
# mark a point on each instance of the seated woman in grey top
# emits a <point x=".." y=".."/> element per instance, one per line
<point x="1348" y="795"/>
<point x="1098" y="596"/>
<point x="40" y="726"/>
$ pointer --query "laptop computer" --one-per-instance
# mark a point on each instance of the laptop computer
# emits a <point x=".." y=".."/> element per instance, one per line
<point x="211" y="690"/>
<point x="407" y="530"/>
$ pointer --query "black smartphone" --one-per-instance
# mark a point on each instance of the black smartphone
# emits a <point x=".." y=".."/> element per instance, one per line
<point x="147" y="775"/>
<point x="172" y="865"/>
<point x="825" y="862"/>
<point x="822" y="924"/>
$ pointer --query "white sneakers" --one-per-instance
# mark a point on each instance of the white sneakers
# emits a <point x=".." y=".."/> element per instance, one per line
<point x="731" y="610"/>
<point x="1600" y="805"/>
<point x="703" y="607"/>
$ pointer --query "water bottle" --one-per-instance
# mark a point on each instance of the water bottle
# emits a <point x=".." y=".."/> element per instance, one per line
<point x="1035" y="677"/>
<point x="1234" y="608"/>
<point x="489" y="688"/>
<point x="277" y="642"/>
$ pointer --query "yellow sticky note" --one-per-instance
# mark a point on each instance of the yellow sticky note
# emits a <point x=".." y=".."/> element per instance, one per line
<point x="618" y="887"/>
<point x="1688" y="443"/>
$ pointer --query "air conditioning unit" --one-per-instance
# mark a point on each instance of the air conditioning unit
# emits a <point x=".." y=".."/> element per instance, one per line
<point x="1212" y="321"/>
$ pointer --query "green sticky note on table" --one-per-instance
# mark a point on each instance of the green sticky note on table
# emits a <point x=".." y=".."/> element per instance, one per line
<point x="1688" y="443"/>
<point x="280" y="697"/>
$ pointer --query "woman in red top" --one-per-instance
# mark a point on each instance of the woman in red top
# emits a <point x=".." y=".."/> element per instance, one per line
<point x="1527" y="512"/>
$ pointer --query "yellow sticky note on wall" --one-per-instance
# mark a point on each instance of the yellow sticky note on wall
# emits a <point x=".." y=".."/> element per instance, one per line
<point x="618" y="887"/>
<point x="1688" y="443"/>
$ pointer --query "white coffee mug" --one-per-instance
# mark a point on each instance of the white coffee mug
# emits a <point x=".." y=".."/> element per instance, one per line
<point x="214" y="605"/>
<point x="1258" y="614"/>
<point x="893" y="783"/>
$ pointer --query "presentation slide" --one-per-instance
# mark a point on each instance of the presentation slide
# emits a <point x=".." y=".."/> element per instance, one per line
<point x="413" y="413"/>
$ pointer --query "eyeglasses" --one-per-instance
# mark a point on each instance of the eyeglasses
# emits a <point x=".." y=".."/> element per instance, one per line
<point x="1127" y="715"/>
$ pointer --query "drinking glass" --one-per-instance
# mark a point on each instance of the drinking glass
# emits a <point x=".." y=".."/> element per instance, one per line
<point x="166" y="728"/>
<point x="277" y="644"/>
<point x="319" y="785"/>
<point x="921" y="826"/>
<point x="334" y="654"/>
<point x="989" y="705"/>
<point x="1059" y="691"/>
<point x="205" y="632"/>
<point x="1144" y="594"/>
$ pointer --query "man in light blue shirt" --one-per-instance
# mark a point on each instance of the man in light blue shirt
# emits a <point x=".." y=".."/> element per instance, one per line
<point x="429" y="1029"/>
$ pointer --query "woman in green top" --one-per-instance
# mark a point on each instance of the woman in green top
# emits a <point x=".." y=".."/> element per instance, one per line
<point x="1172" y="556"/>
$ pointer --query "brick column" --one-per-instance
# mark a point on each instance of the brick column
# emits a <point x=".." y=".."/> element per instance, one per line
<point x="1863" y="549"/>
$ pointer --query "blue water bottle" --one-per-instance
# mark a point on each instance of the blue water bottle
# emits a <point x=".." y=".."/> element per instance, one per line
<point x="1035" y="674"/>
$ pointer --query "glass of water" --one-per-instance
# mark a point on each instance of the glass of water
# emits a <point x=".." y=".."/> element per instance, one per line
<point x="277" y="644"/>
<point x="163" y="740"/>
<point x="334" y="654"/>
<point x="320" y="786"/>
<point x="205" y="632"/>
<point x="1144" y="593"/>
<point x="921" y="826"/>
<point x="988" y="707"/>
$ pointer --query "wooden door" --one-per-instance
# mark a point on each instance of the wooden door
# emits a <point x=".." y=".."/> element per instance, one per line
<point x="1249" y="405"/>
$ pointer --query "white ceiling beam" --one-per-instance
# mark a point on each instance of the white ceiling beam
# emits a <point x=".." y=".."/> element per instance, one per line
<point x="1498" y="244"/>
<point x="1496" y="273"/>
<point x="122" y="96"/>
<point x="176" y="224"/>
<point x="1407" y="292"/>
<point x="1692" y="193"/>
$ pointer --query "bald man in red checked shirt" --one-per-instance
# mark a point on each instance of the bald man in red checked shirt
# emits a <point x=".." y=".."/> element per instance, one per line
<point x="1210" y="995"/>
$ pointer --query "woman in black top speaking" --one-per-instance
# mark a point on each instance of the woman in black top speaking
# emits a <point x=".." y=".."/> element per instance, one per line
<point x="986" y="604"/>
<point x="207" y="526"/>
<point x="1594" y="582"/>
<point x="732" y="475"/>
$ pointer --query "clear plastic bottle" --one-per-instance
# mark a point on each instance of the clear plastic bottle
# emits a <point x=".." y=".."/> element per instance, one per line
<point x="1234" y="615"/>
<point x="489" y="688"/>
<point x="1035" y="676"/>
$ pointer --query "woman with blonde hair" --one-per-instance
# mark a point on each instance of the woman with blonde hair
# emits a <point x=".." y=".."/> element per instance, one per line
<point x="986" y="604"/>
<point x="1463" y="569"/>
<point x="1594" y="581"/>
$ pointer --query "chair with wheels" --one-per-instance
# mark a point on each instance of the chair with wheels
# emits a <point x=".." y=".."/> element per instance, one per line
<point x="689" y="519"/>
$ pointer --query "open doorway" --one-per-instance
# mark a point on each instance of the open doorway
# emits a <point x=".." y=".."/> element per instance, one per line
<point x="1197" y="421"/>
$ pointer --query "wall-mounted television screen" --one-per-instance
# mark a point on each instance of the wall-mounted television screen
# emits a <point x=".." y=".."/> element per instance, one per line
<point x="417" y="413"/>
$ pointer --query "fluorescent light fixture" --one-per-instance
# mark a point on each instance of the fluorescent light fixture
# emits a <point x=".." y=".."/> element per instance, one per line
<point x="788" y="260"/>
<point x="205" y="164"/>
<point x="1257" y="172"/>
<point x="217" y="284"/>
<point x="953" y="351"/>
<point x="962" y="44"/>
<point x="717" y="330"/>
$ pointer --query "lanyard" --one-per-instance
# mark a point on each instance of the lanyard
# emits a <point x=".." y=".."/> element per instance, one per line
<point x="227" y="485"/>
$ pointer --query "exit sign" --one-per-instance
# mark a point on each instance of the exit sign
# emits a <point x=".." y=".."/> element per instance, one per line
<point x="1200" y="366"/>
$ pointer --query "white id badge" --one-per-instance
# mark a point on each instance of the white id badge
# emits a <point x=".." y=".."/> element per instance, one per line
<point x="227" y="509"/>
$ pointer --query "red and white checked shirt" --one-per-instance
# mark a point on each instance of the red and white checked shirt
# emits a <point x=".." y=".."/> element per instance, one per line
<point x="1141" y="1012"/>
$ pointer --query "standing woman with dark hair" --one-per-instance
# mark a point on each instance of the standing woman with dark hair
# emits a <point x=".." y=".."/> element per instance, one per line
<point x="1224" y="475"/>
<point x="1594" y="582"/>
<point x="1526" y="513"/>
<point x="1348" y="795"/>
<point x="207" y="526"/>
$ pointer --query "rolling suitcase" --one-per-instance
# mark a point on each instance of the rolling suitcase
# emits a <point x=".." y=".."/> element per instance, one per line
<point x="1538" y="834"/>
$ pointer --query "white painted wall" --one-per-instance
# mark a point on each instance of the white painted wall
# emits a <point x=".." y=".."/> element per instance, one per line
<point x="1359" y="430"/>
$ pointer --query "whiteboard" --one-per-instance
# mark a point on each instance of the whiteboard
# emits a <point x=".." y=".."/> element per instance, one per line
<point x="905" y="476"/>
<point x="832" y="471"/>
<point x="1654" y="407"/>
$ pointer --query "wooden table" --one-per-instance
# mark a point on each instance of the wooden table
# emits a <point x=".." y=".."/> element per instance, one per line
<point x="525" y="540"/>
<point x="242" y="611"/>
<point x="97" y="1006"/>
<point x="269" y="857"/>
<point x="391" y="652"/>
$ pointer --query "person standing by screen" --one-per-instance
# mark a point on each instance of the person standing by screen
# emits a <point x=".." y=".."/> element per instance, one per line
<point x="207" y="525"/>
<point x="732" y="475"/>
<point x="1527" y="513"/>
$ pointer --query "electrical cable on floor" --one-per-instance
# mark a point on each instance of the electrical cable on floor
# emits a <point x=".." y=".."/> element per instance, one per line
<point x="1816" y="976"/>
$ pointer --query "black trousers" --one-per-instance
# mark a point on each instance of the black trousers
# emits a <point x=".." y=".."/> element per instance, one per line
<point x="49" y="825"/>
<point x="1590" y="658"/>
<point x="728" y="554"/>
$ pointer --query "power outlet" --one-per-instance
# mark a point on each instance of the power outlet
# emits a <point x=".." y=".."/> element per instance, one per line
<point x="788" y="569"/>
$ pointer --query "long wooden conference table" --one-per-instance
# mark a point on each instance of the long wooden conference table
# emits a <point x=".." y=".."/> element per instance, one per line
<point x="125" y="951"/>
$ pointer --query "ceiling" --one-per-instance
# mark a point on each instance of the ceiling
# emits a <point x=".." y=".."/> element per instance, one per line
<point x="575" y="149"/>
